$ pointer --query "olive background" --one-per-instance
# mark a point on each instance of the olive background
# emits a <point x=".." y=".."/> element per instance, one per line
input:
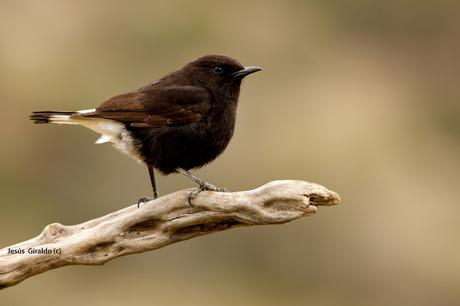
<point x="360" y="96"/>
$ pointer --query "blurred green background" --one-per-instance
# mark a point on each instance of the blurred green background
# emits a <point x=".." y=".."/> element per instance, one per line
<point x="361" y="96"/>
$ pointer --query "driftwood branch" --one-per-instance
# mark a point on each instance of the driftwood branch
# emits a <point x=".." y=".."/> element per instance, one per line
<point x="158" y="223"/>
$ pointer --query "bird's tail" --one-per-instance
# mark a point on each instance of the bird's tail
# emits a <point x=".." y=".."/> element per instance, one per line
<point x="54" y="117"/>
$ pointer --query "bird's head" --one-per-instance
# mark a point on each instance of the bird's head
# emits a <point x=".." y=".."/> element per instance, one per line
<point x="219" y="73"/>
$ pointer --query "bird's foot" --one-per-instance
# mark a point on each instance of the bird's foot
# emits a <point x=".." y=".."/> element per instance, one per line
<point x="144" y="200"/>
<point x="204" y="186"/>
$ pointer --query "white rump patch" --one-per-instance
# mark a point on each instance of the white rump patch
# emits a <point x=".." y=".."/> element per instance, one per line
<point x="103" y="139"/>
<point x="86" y="111"/>
<point x="111" y="131"/>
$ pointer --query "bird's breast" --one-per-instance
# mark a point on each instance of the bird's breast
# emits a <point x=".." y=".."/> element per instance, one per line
<point x="188" y="146"/>
<point x="220" y="128"/>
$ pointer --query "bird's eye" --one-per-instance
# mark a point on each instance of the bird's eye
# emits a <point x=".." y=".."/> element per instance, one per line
<point x="218" y="70"/>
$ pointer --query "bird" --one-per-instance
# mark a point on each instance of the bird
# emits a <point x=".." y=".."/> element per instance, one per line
<point x="180" y="122"/>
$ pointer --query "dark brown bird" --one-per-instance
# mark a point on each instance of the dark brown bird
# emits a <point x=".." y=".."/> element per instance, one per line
<point x="180" y="122"/>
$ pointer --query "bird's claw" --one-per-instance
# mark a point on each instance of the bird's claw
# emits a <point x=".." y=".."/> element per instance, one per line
<point x="193" y="195"/>
<point x="203" y="187"/>
<point x="143" y="200"/>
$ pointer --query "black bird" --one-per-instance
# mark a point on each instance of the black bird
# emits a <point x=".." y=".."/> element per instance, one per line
<point x="180" y="122"/>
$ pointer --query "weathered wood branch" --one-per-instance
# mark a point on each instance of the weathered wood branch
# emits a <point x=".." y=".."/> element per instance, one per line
<point x="158" y="223"/>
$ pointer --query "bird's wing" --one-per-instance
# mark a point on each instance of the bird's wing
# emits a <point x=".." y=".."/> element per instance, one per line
<point x="169" y="105"/>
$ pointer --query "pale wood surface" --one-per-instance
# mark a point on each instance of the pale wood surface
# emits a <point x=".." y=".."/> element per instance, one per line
<point x="158" y="223"/>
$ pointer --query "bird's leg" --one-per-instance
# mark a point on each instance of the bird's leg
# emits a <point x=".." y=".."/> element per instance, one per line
<point x="154" y="187"/>
<point x="153" y="182"/>
<point x="202" y="185"/>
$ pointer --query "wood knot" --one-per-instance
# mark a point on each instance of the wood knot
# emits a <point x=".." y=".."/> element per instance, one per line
<point x="55" y="230"/>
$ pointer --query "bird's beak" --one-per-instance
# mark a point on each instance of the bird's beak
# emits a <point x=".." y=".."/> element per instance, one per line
<point x="245" y="71"/>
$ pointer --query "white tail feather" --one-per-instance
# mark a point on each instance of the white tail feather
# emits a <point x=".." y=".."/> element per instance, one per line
<point x="63" y="119"/>
<point x="110" y="130"/>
